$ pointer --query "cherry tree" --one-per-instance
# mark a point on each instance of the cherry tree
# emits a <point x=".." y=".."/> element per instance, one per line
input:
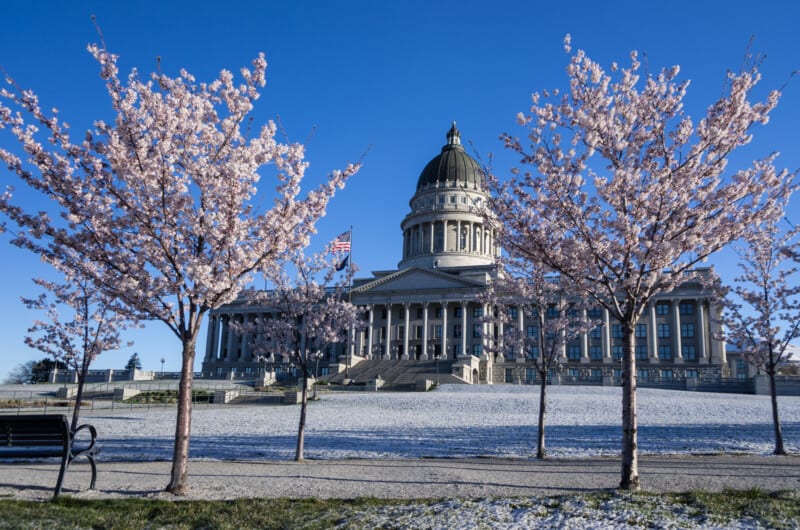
<point x="309" y="312"/>
<point x="762" y="308"/>
<point x="91" y="324"/>
<point x="624" y="194"/>
<point x="163" y="209"/>
<point x="559" y="315"/>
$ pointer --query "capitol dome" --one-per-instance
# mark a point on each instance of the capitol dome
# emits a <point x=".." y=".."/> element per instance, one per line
<point x="452" y="167"/>
<point x="445" y="228"/>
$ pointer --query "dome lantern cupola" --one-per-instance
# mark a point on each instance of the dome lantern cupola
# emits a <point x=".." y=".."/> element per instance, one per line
<point x="445" y="228"/>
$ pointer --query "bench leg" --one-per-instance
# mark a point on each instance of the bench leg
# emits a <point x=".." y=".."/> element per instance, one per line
<point x="94" y="471"/>
<point x="61" y="473"/>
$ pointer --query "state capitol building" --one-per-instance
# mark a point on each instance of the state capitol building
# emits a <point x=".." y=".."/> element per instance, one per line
<point x="424" y="317"/>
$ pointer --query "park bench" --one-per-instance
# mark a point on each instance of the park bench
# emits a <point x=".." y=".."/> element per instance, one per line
<point x="45" y="436"/>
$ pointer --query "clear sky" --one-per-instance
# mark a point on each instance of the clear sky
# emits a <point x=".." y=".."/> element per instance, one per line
<point x="381" y="78"/>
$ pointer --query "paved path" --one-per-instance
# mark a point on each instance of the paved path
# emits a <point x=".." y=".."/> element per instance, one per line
<point x="404" y="479"/>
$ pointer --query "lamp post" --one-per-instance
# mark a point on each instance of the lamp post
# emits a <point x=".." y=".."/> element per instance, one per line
<point x="162" y="367"/>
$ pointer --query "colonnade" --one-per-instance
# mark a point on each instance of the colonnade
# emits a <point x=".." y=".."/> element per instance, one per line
<point x="447" y="235"/>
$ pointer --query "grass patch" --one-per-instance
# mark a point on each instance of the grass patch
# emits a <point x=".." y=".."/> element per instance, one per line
<point x="758" y="508"/>
<point x="34" y="403"/>
<point x="67" y="512"/>
<point x="167" y="397"/>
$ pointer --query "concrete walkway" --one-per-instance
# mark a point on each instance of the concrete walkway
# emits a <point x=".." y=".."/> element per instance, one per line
<point x="403" y="479"/>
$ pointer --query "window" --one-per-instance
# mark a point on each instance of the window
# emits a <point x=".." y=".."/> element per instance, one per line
<point x="509" y="375"/>
<point x="401" y="331"/>
<point x="574" y="353"/>
<point x="595" y="312"/>
<point x="530" y="375"/>
<point x="477" y="312"/>
<point x="596" y="353"/>
<point x="596" y="332"/>
<point x="641" y="331"/>
<point x="532" y="331"/>
<point x="665" y="352"/>
<point x="666" y="375"/>
<point x="457" y="312"/>
<point x="641" y="352"/>
<point x="597" y="373"/>
<point x="691" y="373"/>
<point x="662" y="308"/>
<point x="617" y="373"/>
<point x="512" y="312"/>
<point x="418" y="332"/>
<point x="663" y="331"/>
<point x="477" y="331"/>
<point x="463" y="200"/>
<point x="219" y="370"/>
<point x="533" y="352"/>
<point x="616" y="331"/>
<point x="452" y="199"/>
<point x="686" y="308"/>
<point x="687" y="329"/>
<point x="438" y="312"/>
<point x="574" y="372"/>
<point x="642" y="374"/>
<point x="477" y="349"/>
<point x="552" y="312"/>
<point x="441" y="199"/>
<point x="419" y="312"/>
<point x="616" y="352"/>
<point x="689" y="352"/>
<point x="457" y="348"/>
<point x="383" y="314"/>
<point x="437" y="331"/>
<point x="456" y="331"/>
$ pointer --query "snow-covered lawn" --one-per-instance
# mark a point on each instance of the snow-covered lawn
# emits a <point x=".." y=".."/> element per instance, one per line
<point x="457" y="421"/>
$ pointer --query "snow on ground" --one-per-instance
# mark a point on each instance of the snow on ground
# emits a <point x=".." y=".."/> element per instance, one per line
<point x="456" y="421"/>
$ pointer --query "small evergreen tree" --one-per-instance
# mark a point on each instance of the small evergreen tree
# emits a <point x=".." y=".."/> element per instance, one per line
<point x="134" y="362"/>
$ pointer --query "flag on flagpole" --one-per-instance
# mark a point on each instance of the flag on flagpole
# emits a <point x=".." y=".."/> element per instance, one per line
<point x="342" y="264"/>
<point x="342" y="243"/>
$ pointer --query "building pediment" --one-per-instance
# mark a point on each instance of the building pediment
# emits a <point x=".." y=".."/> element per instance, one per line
<point x="414" y="279"/>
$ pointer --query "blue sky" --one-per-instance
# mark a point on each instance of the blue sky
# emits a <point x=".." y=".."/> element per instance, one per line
<point x="382" y="81"/>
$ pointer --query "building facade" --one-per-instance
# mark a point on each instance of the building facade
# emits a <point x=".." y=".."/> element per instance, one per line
<point x="430" y="306"/>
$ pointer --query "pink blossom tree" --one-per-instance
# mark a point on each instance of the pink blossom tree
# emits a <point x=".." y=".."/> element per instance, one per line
<point x="560" y="316"/>
<point x="624" y="194"/>
<point x="762" y="308"/>
<point x="309" y="312"/>
<point x="163" y="208"/>
<point x="91" y="325"/>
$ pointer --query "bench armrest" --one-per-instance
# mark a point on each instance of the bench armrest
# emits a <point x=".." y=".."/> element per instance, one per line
<point x="91" y="449"/>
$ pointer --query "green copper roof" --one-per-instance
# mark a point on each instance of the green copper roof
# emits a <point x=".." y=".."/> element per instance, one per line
<point x="453" y="167"/>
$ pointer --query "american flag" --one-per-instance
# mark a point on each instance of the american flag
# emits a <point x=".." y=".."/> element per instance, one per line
<point x="342" y="243"/>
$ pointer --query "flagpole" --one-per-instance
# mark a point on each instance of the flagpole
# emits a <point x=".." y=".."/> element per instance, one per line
<point x="352" y="340"/>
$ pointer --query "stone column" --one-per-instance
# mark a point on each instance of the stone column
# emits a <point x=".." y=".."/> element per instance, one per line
<point x="704" y="331"/>
<point x="606" y="336"/>
<point x="521" y="329"/>
<point x="676" y="317"/>
<point x="444" y="235"/>
<point x="424" y="331"/>
<point x="464" y="306"/>
<point x="210" y="338"/>
<point x="652" y="336"/>
<point x="444" y="330"/>
<point x="388" y="345"/>
<point x="370" y="329"/>
<point x="406" y="308"/>
<point x="433" y="233"/>
<point x="584" y="340"/>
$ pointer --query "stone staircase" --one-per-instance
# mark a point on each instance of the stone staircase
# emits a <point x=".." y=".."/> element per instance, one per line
<point x="397" y="375"/>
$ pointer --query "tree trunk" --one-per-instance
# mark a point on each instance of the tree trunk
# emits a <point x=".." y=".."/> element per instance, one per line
<point x="630" y="449"/>
<point x="779" y="449"/>
<point x="180" y="456"/>
<point x="79" y="397"/>
<point x="540" y="450"/>
<point x="301" y="429"/>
